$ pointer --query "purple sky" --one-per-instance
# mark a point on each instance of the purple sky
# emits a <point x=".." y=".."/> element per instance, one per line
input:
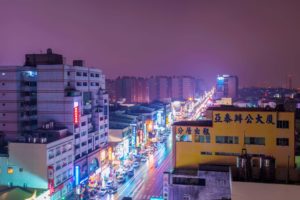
<point x="257" y="40"/>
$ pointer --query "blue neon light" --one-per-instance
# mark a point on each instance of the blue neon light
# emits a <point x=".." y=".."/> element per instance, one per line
<point x="77" y="175"/>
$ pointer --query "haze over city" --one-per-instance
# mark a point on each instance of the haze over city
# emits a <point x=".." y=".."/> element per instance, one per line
<point x="252" y="39"/>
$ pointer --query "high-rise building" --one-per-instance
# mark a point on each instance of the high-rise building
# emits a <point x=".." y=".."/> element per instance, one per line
<point x="188" y="87"/>
<point x="48" y="90"/>
<point x="176" y="85"/>
<point x="227" y="86"/>
<point x="18" y="111"/>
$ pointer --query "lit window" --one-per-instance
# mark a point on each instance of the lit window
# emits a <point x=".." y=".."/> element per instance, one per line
<point x="10" y="170"/>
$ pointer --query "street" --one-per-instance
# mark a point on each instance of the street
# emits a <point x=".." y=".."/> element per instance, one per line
<point x="147" y="180"/>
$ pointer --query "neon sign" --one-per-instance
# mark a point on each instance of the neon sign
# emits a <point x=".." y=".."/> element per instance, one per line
<point x="76" y="113"/>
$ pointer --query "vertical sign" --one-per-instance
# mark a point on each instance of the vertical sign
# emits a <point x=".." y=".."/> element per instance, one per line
<point x="77" y="178"/>
<point x="51" y="179"/>
<point x="76" y="113"/>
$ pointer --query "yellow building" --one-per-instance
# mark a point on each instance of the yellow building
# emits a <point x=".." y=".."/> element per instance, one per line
<point x="221" y="139"/>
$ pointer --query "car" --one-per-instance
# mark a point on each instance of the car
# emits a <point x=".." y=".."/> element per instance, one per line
<point x="112" y="190"/>
<point x="136" y="164"/>
<point x="120" y="179"/>
<point x="109" y="183"/>
<point x="130" y="173"/>
<point x="102" y="191"/>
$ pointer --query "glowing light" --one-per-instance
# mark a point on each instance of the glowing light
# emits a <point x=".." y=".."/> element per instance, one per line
<point x="76" y="113"/>
<point x="76" y="175"/>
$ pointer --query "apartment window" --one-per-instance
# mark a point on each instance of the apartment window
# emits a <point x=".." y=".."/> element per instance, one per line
<point x="184" y="138"/>
<point x="69" y="84"/>
<point x="255" y="140"/>
<point x="205" y="153"/>
<point x="84" y="74"/>
<point x="64" y="148"/>
<point x="70" y="172"/>
<point x="227" y="139"/>
<point x="3" y="114"/>
<point x="58" y="180"/>
<point x="84" y="83"/>
<point x="70" y="159"/>
<point x="97" y="84"/>
<point x="51" y="154"/>
<point x="226" y="154"/>
<point x="92" y="83"/>
<point x="3" y="124"/>
<point x="83" y="123"/>
<point x="282" y="141"/>
<point x="58" y="152"/>
<point x="202" y="138"/>
<point x="282" y="124"/>
<point x="69" y="73"/>
<point x="92" y="75"/>
<point x="97" y="138"/>
<point x="58" y="167"/>
<point x="83" y="144"/>
<point x="3" y="83"/>
<point x="3" y="104"/>
<point x="188" y="181"/>
<point x="97" y="75"/>
<point x="78" y="73"/>
<point x="83" y="133"/>
<point x="78" y="83"/>
<point x="10" y="170"/>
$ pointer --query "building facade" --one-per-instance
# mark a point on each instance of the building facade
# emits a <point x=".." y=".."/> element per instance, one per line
<point x="220" y="140"/>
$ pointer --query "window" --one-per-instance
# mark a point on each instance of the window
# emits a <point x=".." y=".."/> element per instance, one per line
<point x="226" y="154"/>
<point x="3" y="114"/>
<point x="58" y="165"/>
<point x="69" y="84"/>
<point x="84" y="74"/>
<point x="92" y="84"/>
<point x="78" y="73"/>
<point x="10" y="170"/>
<point x="69" y="73"/>
<point x="3" y="104"/>
<point x="184" y="138"/>
<point x="205" y="153"/>
<point x="78" y="84"/>
<point x="83" y="133"/>
<point x="97" y="84"/>
<point x="227" y="139"/>
<point x="83" y="123"/>
<point x="92" y="75"/>
<point x="70" y="159"/>
<point x="20" y="169"/>
<point x="282" y="141"/>
<point x="255" y="140"/>
<point x="282" y="124"/>
<point x="188" y="181"/>
<point x="84" y="83"/>
<point x="3" y="83"/>
<point x="3" y="124"/>
<point x="51" y="154"/>
<point x="202" y="138"/>
<point x="97" y="75"/>
<point x="58" y="152"/>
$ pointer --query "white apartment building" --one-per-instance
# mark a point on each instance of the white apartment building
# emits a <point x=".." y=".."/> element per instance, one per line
<point x="41" y="162"/>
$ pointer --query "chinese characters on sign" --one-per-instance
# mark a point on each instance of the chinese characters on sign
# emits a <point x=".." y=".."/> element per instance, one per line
<point x="248" y="118"/>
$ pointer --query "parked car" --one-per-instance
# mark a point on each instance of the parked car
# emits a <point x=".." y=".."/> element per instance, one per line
<point x="109" y="184"/>
<point x="112" y="190"/>
<point x="143" y="159"/>
<point x="130" y="172"/>
<point x="136" y="164"/>
<point x="102" y="191"/>
<point x="120" y="179"/>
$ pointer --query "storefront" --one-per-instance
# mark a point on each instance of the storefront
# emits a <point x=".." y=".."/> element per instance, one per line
<point x="62" y="190"/>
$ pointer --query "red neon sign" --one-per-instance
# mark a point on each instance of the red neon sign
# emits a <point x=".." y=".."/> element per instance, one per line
<point x="76" y="115"/>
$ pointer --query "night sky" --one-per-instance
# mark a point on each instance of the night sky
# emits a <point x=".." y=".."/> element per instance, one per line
<point x="257" y="40"/>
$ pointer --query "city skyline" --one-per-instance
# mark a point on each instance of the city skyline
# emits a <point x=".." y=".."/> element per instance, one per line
<point x="203" y="39"/>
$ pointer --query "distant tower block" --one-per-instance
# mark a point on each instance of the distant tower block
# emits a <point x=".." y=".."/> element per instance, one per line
<point x="289" y="82"/>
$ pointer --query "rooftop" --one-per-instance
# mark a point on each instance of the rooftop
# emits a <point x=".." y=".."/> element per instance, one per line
<point x="234" y="108"/>
<point x="216" y="168"/>
<point x="193" y="123"/>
